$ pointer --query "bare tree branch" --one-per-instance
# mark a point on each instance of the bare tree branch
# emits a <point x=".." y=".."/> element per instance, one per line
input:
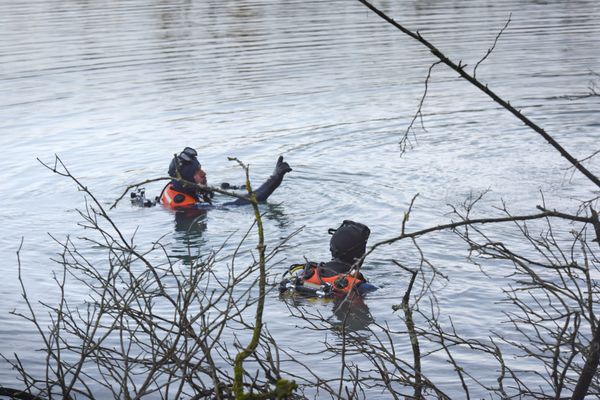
<point x="484" y="88"/>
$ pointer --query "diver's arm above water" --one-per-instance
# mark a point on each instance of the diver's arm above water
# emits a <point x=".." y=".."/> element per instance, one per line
<point x="269" y="186"/>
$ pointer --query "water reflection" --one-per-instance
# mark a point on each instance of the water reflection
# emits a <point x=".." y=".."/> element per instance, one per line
<point x="348" y="314"/>
<point x="352" y="314"/>
<point x="276" y="213"/>
<point x="191" y="225"/>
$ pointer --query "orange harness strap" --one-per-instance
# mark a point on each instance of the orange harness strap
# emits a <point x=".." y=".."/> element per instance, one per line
<point x="341" y="283"/>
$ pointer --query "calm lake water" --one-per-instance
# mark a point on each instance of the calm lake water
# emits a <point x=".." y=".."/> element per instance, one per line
<point x="116" y="87"/>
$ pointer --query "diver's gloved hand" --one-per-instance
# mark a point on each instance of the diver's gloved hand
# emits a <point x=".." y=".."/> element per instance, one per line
<point x="281" y="168"/>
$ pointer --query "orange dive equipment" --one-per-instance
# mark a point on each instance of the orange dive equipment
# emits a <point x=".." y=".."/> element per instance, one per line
<point x="174" y="199"/>
<point x="312" y="278"/>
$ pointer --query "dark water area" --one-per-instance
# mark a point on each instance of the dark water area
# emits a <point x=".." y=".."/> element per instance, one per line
<point x="116" y="87"/>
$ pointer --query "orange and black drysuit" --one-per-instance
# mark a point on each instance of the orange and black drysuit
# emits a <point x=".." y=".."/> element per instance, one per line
<point x="325" y="279"/>
<point x="348" y="246"/>
<point x="178" y="194"/>
<point x="335" y="273"/>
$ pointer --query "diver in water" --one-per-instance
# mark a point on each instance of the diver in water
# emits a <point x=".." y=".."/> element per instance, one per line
<point x="341" y="274"/>
<point x="185" y="166"/>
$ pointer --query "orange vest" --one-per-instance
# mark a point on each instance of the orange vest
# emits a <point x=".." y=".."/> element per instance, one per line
<point x="173" y="199"/>
<point x="341" y="283"/>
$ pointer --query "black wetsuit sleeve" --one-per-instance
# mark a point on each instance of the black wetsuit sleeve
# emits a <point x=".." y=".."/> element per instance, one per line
<point x="269" y="186"/>
<point x="263" y="192"/>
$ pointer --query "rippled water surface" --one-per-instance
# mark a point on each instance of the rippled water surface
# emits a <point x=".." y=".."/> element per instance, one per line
<point x="116" y="87"/>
